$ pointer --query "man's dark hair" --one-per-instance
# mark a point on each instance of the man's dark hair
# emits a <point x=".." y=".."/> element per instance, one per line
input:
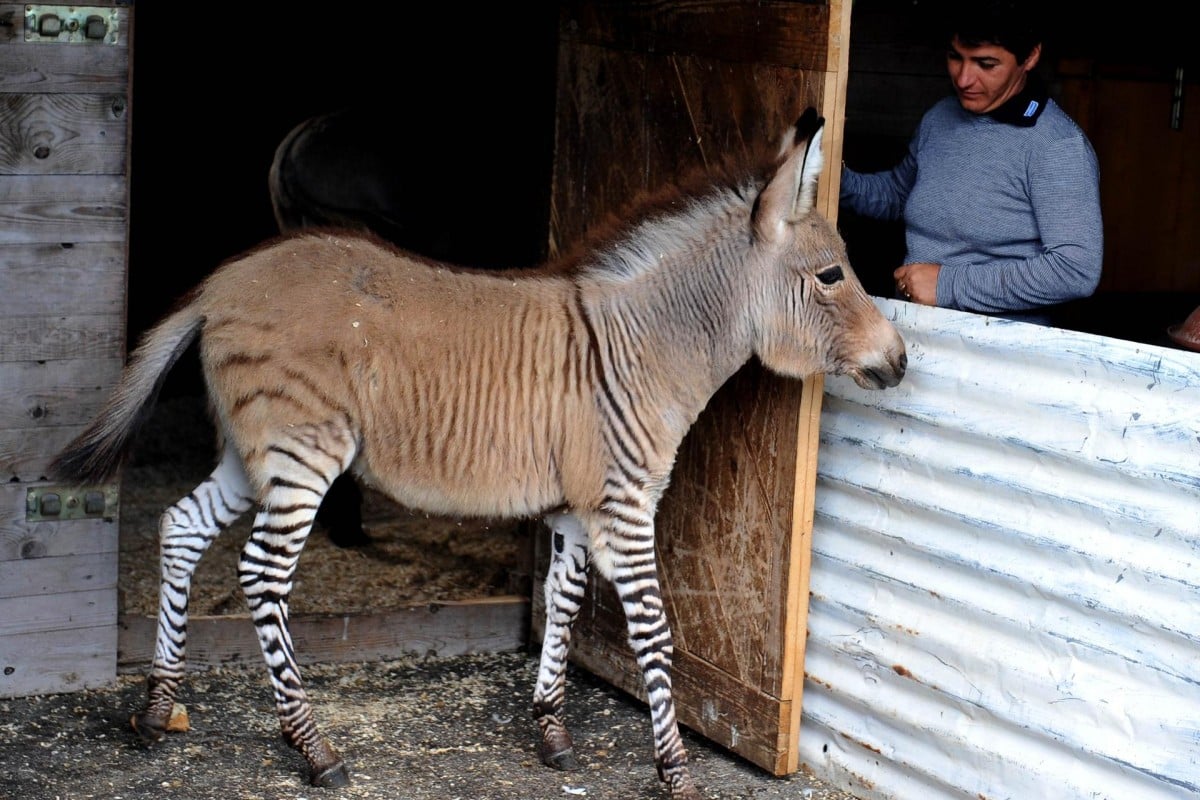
<point x="1014" y="25"/>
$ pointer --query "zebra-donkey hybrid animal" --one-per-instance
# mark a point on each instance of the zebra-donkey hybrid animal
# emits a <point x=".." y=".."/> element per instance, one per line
<point x="563" y="392"/>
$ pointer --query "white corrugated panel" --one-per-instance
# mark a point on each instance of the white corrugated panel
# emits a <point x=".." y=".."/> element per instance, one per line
<point x="1005" y="585"/>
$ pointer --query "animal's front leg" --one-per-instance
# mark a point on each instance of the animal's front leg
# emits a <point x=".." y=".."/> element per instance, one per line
<point x="565" y="586"/>
<point x="630" y="564"/>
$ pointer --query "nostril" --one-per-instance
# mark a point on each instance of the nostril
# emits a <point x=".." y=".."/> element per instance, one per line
<point x="903" y="361"/>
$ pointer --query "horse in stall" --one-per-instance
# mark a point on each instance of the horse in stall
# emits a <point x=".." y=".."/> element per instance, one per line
<point x="563" y="392"/>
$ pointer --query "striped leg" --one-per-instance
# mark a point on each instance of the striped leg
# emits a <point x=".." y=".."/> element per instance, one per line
<point x="565" y="585"/>
<point x="300" y="475"/>
<point x="185" y="531"/>
<point x="629" y="562"/>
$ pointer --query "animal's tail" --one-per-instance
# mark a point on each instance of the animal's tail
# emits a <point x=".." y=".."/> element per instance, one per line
<point x="95" y="455"/>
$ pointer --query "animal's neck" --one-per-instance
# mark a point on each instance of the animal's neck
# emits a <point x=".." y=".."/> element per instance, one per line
<point x="677" y="305"/>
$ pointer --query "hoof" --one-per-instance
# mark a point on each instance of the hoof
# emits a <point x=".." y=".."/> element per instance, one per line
<point x="563" y="759"/>
<point x="146" y="728"/>
<point x="335" y="777"/>
<point x="686" y="793"/>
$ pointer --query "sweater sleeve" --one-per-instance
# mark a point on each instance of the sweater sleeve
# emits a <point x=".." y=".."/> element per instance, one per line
<point x="1065" y="198"/>
<point x="880" y="195"/>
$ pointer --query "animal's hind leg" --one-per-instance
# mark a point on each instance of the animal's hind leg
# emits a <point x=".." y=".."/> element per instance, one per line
<point x="297" y="475"/>
<point x="565" y="586"/>
<point x="185" y="531"/>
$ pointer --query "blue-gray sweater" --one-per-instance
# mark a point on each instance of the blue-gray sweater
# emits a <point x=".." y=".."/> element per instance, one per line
<point x="1011" y="213"/>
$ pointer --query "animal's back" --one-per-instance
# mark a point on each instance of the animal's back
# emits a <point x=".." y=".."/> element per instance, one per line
<point x="465" y="392"/>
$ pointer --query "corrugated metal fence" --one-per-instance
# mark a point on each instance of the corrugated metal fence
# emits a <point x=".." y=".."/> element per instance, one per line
<point x="1005" y="584"/>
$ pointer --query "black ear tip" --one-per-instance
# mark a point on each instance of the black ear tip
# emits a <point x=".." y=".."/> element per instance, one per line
<point x="808" y="124"/>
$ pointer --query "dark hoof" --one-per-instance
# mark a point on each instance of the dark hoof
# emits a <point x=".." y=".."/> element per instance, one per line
<point x="563" y="759"/>
<point x="147" y="729"/>
<point x="335" y="777"/>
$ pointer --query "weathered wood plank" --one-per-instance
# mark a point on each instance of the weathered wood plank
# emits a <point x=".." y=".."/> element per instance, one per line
<point x="46" y="338"/>
<point x="35" y="395"/>
<point x="89" y="68"/>
<point x="51" y="575"/>
<point x="491" y="625"/>
<point x="652" y="119"/>
<point x="778" y="33"/>
<point x="833" y="106"/>
<point x="63" y="208"/>
<point x="74" y="134"/>
<point x="24" y="457"/>
<point x="54" y="612"/>
<point x="94" y="539"/>
<point x="87" y="278"/>
<point x="58" y="661"/>
<point x="63" y="243"/>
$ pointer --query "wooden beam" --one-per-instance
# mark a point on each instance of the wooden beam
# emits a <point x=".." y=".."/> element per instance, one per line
<point x="490" y="625"/>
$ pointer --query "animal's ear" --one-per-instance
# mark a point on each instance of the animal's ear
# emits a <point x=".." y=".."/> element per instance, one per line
<point x="792" y="191"/>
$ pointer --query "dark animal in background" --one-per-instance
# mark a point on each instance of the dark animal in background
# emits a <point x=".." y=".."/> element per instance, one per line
<point x="347" y="169"/>
<point x="561" y="392"/>
<point x="339" y="170"/>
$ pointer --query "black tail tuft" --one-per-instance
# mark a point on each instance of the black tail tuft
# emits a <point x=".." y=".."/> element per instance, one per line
<point x="98" y="454"/>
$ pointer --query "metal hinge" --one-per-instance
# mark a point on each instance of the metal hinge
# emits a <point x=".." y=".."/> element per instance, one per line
<point x="77" y="502"/>
<point x="71" y="24"/>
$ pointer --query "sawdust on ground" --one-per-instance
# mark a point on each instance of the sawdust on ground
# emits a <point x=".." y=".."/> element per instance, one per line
<point x="409" y="729"/>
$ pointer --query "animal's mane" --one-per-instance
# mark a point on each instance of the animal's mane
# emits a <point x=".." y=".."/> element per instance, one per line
<point x="373" y="238"/>
<point x="613" y="233"/>
<point x="697" y="186"/>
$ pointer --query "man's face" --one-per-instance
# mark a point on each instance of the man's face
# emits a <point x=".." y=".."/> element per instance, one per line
<point x="985" y="77"/>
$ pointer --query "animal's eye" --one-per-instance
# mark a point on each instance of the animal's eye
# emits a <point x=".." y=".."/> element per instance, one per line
<point x="830" y="275"/>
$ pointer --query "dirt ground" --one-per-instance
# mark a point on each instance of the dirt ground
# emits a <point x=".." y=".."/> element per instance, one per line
<point x="457" y="727"/>
<point x="409" y="730"/>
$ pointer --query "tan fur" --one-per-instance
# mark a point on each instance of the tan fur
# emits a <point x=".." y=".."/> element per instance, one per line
<point x="416" y="363"/>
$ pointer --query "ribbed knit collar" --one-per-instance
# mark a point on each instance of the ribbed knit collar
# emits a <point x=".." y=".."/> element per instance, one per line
<point x="1023" y="108"/>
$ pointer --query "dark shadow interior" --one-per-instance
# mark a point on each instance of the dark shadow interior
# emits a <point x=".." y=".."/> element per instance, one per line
<point x="465" y="104"/>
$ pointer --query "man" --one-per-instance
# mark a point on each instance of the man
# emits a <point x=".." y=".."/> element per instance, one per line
<point x="999" y="190"/>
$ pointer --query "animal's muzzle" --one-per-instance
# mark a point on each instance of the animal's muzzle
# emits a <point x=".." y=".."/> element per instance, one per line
<point x="884" y="375"/>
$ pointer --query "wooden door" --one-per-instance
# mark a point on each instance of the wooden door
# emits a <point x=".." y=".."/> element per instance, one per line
<point x="64" y="110"/>
<point x="645" y="91"/>
<point x="1143" y="122"/>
